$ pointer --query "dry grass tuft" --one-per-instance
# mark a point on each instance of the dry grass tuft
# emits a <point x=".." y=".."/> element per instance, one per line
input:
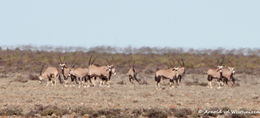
<point x="47" y="111"/>
<point x="196" y="83"/>
<point x="33" y="77"/>
<point x="21" y="79"/>
<point x="143" y="82"/>
<point x="182" y="113"/>
<point x="121" y="82"/>
<point x="10" y="111"/>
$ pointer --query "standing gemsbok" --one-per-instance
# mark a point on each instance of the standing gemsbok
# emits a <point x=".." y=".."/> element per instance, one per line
<point x="81" y="75"/>
<point x="78" y="76"/>
<point x="181" y="70"/>
<point x="50" y="73"/>
<point x="65" y="72"/>
<point x="171" y="74"/>
<point x="228" y="75"/>
<point x="215" y="74"/>
<point x="104" y="73"/>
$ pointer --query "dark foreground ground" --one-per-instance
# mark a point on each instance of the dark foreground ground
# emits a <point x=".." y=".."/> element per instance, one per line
<point x="21" y="96"/>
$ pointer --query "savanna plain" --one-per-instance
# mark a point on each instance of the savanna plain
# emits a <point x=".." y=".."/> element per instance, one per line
<point x="22" y="95"/>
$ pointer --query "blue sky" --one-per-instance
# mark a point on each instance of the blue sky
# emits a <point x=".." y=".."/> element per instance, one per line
<point x="136" y="23"/>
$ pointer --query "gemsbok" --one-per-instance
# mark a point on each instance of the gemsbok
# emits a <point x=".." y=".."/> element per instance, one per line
<point x="65" y="73"/>
<point x="228" y="75"/>
<point x="181" y="70"/>
<point x="81" y="75"/>
<point x="104" y="73"/>
<point x="50" y="73"/>
<point x="215" y="74"/>
<point x="132" y="74"/>
<point x="171" y="74"/>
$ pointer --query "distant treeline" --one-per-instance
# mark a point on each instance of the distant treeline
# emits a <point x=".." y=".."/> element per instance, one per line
<point x="146" y="59"/>
<point x="133" y="50"/>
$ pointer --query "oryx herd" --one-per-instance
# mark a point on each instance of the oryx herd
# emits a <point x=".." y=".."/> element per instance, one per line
<point x="72" y="76"/>
<point x="89" y="76"/>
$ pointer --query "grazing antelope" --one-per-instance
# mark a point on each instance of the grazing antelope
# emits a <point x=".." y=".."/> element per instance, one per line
<point x="228" y="75"/>
<point x="132" y="74"/>
<point x="51" y="74"/>
<point x="81" y="75"/>
<point x="171" y="74"/>
<point x="215" y="74"/>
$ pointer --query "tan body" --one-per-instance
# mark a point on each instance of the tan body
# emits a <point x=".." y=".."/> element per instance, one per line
<point x="102" y="72"/>
<point x="81" y="74"/>
<point x="215" y="74"/>
<point x="170" y="74"/>
<point x="132" y="74"/>
<point x="51" y="74"/>
<point x="228" y="75"/>
<point x="66" y="73"/>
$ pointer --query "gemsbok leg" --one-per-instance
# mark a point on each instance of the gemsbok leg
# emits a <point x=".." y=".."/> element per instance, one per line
<point x="209" y="81"/>
<point x="157" y="79"/>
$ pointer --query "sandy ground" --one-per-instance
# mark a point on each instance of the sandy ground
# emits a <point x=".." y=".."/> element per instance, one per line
<point x="192" y="93"/>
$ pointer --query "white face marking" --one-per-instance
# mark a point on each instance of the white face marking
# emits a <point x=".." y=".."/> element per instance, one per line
<point x="220" y="67"/>
<point x="63" y="66"/>
<point x="231" y="69"/>
<point x="175" y="69"/>
<point x="40" y="78"/>
<point x="113" y="70"/>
